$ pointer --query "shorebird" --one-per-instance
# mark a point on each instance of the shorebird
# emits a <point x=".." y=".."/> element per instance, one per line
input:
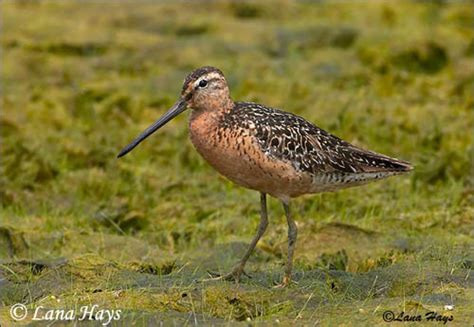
<point x="268" y="150"/>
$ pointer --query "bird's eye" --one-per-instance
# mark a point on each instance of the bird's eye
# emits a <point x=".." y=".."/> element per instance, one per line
<point x="203" y="83"/>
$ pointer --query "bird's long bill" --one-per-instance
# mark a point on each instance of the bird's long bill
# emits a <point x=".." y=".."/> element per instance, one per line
<point x="174" y="111"/>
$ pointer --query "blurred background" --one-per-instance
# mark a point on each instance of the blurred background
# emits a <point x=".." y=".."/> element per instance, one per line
<point x="79" y="80"/>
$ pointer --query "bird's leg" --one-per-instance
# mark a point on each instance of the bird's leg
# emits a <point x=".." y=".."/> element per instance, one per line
<point x="292" y="234"/>
<point x="239" y="268"/>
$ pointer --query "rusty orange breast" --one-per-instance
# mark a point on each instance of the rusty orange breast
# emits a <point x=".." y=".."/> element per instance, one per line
<point x="235" y="154"/>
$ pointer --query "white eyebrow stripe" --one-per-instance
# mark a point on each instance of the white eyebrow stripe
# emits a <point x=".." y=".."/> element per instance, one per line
<point x="209" y="76"/>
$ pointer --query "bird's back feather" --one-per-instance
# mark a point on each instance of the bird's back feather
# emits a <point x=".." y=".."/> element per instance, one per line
<point x="307" y="147"/>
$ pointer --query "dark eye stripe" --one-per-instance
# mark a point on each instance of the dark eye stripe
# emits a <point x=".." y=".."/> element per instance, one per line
<point x="189" y="96"/>
<point x="208" y="81"/>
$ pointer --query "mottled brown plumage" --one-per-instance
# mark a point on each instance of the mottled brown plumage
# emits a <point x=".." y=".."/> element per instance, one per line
<point x="269" y="150"/>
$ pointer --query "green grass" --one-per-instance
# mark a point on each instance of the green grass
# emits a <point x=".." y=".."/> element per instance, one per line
<point x="78" y="226"/>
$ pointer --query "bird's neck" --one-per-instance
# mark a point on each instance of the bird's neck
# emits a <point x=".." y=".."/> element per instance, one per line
<point x="212" y="110"/>
<point x="204" y="124"/>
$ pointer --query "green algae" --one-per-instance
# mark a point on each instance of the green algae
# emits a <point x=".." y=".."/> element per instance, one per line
<point x="79" y="227"/>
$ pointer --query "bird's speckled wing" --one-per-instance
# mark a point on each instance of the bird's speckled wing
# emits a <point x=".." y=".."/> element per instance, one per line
<point x="288" y="137"/>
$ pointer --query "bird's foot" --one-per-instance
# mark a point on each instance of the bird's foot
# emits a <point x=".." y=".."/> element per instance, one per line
<point x="234" y="275"/>
<point x="285" y="282"/>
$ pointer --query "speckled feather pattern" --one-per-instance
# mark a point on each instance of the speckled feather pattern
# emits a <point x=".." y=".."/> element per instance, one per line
<point x="308" y="148"/>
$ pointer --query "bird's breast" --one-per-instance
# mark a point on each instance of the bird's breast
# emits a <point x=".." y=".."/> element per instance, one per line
<point x="235" y="153"/>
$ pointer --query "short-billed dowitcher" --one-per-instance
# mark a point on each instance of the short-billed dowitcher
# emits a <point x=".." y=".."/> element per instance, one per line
<point x="268" y="150"/>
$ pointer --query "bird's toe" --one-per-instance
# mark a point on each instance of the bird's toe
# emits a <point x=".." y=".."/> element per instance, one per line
<point x="234" y="275"/>
<point x="285" y="282"/>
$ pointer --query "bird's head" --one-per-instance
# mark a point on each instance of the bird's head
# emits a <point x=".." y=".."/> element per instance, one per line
<point x="204" y="89"/>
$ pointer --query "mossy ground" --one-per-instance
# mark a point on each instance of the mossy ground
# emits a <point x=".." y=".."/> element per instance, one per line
<point x="81" y="79"/>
